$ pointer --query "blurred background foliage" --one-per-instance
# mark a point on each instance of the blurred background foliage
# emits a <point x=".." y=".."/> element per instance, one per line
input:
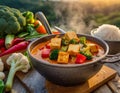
<point x="32" y="5"/>
<point x="79" y="16"/>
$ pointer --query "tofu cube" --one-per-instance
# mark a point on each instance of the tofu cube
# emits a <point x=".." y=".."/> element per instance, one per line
<point x="71" y="35"/>
<point x="55" y="43"/>
<point x="63" y="57"/>
<point x="73" y="49"/>
<point x="93" y="48"/>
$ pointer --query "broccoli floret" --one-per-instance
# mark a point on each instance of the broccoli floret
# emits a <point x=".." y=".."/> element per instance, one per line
<point x="87" y="53"/>
<point x="83" y="40"/>
<point x="3" y="25"/>
<point x="73" y="41"/>
<point x="64" y="48"/>
<point x="11" y="21"/>
<point x="64" y="42"/>
<point x="54" y="54"/>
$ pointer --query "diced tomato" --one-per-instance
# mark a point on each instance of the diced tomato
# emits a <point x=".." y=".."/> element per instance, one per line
<point x="48" y="46"/>
<point x="80" y="59"/>
<point x="45" y="53"/>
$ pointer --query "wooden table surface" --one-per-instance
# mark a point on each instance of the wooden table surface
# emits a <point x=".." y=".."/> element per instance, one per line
<point x="112" y="86"/>
<point x="38" y="85"/>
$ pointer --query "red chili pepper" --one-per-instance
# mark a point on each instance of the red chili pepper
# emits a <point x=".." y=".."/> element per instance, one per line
<point x="2" y="42"/>
<point x="80" y="59"/>
<point x="17" y="40"/>
<point x="45" y="53"/>
<point x="18" y="47"/>
<point x="2" y="49"/>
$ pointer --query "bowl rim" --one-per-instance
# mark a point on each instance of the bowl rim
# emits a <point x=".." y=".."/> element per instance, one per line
<point x="68" y="65"/>
<point x="92" y="34"/>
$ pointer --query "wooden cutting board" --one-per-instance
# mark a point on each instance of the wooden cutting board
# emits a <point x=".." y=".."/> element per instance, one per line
<point x="104" y="75"/>
<point x="33" y="82"/>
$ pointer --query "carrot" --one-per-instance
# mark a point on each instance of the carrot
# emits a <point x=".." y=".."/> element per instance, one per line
<point x="37" y="23"/>
<point x="39" y="27"/>
<point x="2" y="42"/>
<point x="17" y="40"/>
<point x="55" y="32"/>
<point x="18" y="47"/>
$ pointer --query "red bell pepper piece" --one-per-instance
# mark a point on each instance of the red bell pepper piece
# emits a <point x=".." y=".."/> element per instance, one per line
<point x="48" y="46"/>
<point x="2" y="42"/>
<point x="80" y="59"/>
<point x="45" y="53"/>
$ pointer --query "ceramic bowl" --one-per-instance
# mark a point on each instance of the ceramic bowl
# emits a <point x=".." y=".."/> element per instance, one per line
<point x="67" y="74"/>
<point x="114" y="46"/>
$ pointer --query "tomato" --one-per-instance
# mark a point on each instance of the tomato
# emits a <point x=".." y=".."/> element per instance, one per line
<point x="39" y="27"/>
<point x="45" y="53"/>
<point x="48" y="46"/>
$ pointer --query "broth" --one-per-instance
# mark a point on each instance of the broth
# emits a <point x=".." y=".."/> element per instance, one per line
<point x="69" y="57"/>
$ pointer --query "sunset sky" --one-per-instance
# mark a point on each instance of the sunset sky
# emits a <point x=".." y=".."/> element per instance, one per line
<point x="106" y="1"/>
